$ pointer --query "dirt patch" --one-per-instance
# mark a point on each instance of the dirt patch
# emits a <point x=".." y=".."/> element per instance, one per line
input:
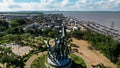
<point x="93" y="56"/>
<point x="20" y="50"/>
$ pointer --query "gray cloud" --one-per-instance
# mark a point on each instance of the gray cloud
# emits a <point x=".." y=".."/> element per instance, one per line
<point x="14" y="6"/>
<point x="64" y="5"/>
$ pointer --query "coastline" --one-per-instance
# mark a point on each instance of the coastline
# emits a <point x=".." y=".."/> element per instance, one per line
<point x="95" y="27"/>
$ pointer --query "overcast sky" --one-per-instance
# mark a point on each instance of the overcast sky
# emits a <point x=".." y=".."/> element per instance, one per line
<point x="59" y="5"/>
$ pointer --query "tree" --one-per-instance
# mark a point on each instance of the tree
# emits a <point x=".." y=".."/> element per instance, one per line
<point x="10" y="31"/>
<point x="118" y="62"/>
<point x="17" y="22"/>
<point x="2" y="28"/>
<point x="46" y="31"/>
<point x="15" y="30"/>
<point x="4" y="23"/>
<point x="7" y="56"/>
<point x="31" y="31"/>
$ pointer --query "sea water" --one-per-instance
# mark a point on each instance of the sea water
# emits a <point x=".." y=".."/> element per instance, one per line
<point x="101" y="17"/>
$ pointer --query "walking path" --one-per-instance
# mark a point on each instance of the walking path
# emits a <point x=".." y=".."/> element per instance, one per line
<point x="91" y="56"/>
<point x="88" y="64"/>
<point x="32" y="58"/>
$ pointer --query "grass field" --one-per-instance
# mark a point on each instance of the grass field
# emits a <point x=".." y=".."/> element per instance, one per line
<point x="77" y="62"/>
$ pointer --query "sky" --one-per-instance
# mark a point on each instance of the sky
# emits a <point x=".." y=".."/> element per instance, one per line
<point x="59" y="5"/>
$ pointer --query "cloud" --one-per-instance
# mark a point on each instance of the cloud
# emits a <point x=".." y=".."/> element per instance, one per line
<point x="9" y="5"/>
<point x="13" y="6"/>
<point x="63" y="5"/>
<point x="109" y="4"/>
<point x="84" y="4"/>
<point x="98" y="5"/>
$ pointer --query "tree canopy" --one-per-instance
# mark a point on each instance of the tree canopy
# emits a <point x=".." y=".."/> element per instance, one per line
<point x="3" y="25"/>
<point x="17" y="22"/>
<point x="7" y="56"/>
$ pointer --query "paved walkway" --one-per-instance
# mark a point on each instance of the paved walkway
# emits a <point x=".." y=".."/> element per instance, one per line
<point x="32" y="58"/>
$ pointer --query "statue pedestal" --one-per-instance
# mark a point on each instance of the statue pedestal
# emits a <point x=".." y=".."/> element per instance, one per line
<point x="66" y="63"/>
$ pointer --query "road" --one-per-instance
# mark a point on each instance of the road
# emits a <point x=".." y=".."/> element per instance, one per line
<point x="32" y="58"/>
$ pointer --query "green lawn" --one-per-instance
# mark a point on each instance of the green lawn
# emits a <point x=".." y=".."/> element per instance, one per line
<point x="39" y="62"/>
<point x="77" y="62"/>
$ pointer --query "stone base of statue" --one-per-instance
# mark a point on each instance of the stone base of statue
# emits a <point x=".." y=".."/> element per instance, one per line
<point x="65" y="63"/>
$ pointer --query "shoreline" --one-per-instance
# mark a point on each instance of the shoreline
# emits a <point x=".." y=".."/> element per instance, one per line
<point x="95" y="27"/>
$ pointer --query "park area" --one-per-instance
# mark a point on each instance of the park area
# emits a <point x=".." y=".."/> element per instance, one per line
<point x="86" y="53"/>
<point x="91" y="55"/>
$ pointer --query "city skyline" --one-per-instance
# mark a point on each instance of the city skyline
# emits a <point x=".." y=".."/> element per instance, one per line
<point x="59" y="5"/>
